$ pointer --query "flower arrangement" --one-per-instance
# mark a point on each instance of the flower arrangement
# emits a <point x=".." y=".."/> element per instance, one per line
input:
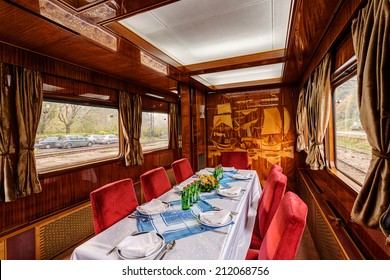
<point x="208" y="183"/>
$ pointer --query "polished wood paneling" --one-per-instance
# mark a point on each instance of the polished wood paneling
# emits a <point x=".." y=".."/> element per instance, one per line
<point x="338" y="29"/>
<point x="263" y="125"/>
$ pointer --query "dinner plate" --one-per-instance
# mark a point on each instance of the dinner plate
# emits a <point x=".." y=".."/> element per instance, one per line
<point x="221" y="192"/>
<point x="229" y="169"/>
<point x="162" y="210"/>
<point x="150" y="256"/>
<point x="241" y="177"/>
<point x="203" y="222"/>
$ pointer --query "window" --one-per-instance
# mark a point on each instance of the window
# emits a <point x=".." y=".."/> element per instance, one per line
<point x="71" y="133"/>
<point x="353" y="152"/>
<point x="154" y="131"/>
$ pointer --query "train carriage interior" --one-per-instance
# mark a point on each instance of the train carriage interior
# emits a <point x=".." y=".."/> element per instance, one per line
<point x="97" y="91"/>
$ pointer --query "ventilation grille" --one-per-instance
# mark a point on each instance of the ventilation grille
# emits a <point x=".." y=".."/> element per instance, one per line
<point x="323" y="236"/>
<point x="326" y="244"/>
<point x="64" y="232"/>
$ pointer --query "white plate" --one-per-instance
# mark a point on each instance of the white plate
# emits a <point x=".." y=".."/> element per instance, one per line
<point x="241" y="177"/>
<point x="214" y="225"/>
<point x="149" y="257"/>
<point x="220" y="192"/>
<point x="229" y="169"/>
<point x="166" y="207"/>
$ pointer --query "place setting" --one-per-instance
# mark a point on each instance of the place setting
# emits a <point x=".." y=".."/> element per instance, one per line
<point x="153" y="207"/>
<point x="143" y="246"/>
<point x="213" y="219"/>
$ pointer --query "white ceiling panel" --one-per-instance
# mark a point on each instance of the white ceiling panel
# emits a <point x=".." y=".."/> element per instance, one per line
<point x="197" y="31"/>
<point x="242" y="75"/>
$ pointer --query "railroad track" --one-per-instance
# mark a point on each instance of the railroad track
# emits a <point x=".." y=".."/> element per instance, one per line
<point x="63" y="152"/>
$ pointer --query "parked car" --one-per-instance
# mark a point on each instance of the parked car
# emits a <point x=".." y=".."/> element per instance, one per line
<point x="47" y="143"/>
<point x="93" y="137"/>
<point x="107" y="139"/>
<point x="72" y="141"/>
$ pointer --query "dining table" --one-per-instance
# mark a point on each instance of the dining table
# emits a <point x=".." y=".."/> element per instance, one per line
<point x="193" y="240"/>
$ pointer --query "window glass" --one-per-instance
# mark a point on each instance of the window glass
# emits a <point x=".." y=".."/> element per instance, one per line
<point x="353" y="152"/>
<point x="70" y="134"/>
<point x="154" y="131"/>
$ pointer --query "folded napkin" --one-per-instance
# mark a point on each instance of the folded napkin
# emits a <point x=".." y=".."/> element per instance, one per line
<point x="215" y="217"/>
<point x="139" y="246"/>
<point x="231" y="191"/>
<point x="153" y="206"/>
<point x="240" y="176"/>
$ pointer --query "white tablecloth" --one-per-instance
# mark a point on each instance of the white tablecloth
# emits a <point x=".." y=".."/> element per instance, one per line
<point x="203" y="246"/>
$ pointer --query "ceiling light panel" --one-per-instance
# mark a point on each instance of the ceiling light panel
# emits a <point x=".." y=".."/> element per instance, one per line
<point x="241" y="75"/>
<point x="194" y="31"/>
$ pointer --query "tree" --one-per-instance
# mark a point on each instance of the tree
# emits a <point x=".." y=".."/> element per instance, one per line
<point x="67" y="114"/>
<point x="48" y="114"/>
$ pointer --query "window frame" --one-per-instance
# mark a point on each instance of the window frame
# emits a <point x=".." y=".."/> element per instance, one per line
<point x="343" y="74"/>
<point x="150" y="110"/>
<point x="77" y="100"/>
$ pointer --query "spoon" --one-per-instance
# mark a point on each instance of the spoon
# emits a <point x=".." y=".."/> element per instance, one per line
<point x="169" y="246"/>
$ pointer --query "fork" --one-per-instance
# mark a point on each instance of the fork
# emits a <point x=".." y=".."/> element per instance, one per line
<point x="143" y="219"/>
<point x="219" y="209"/>
<point x="202" y="228"/>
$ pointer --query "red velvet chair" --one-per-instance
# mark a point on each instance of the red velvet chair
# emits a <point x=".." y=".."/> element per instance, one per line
<point x="285" y="232"/>
<point x="155" y="182"/>
<point x="112" y="202"/>
<point x="182" y="170"/>
<point x="271" y="196"/>
<point x="238" y="159"/>
<point x="276" y="167"/>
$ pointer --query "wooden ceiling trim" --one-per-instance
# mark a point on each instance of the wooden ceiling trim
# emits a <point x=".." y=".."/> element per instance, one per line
<point x="273" y="81"/>
<point x="238" y="62"/>
<point x="131" y="8"/>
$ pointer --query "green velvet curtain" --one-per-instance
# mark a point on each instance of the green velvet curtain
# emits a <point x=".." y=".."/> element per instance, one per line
<point x="173" y="126"/>
<point x="7" y="183"/>
<point x="371" y="39"/>
<point x="28" y="101"/>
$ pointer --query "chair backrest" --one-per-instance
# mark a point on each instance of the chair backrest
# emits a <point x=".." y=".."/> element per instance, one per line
<point x="182" y="170"/>
<point x="271" y="196"/>
<point x="112" y="202"/>
<point x="238" y="159"/>
<point x="276" y="167"/>
<point x="284" y="234"/>
<point x="155" y="182"/>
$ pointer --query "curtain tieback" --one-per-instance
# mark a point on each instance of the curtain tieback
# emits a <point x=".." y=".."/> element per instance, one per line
<point x="380" y="154"/>
<point x="135" y="138"/>
<point x="4" y="154"/>
<point x="26" y="148"/>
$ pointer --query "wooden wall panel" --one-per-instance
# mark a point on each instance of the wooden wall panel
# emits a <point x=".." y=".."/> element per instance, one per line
<point x="67" y="188"/>
<point x="261" y="122"/>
